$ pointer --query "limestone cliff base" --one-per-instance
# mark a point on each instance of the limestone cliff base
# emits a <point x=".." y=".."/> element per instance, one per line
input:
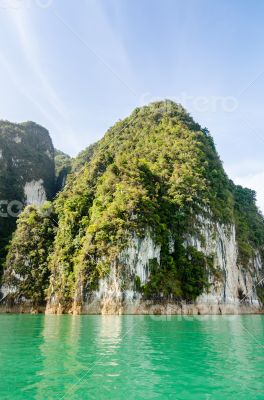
<point x="152" y="308"/>
<point x="22" y="309"/>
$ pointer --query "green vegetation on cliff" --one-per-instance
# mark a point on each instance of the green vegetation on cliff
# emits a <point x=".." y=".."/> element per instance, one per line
<point x="150" y="170"/>
<point x="155" y="170"/>
<point x="249" y="223"/>
<point x="26" y="266"/>
<point x="26" y="155"/>
<point x="63" y="166"/>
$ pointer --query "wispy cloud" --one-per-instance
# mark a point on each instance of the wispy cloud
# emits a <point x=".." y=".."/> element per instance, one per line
<point x="63" y="132"/>
<point x="106" y="40"/>
<point x="25" y="92"/>
<point x="22" y="22"/>
<point x="30" y="78"/>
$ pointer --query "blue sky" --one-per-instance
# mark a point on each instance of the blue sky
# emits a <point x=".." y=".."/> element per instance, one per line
<point x="76" y="67"/>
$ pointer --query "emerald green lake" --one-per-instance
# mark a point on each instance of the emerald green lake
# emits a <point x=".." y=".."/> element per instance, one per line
<point x="131" y="357"/>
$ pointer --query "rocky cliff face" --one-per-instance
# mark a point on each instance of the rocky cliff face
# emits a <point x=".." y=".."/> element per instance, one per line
<point x="26" y="172"/>
<point x="236" y="284"/>
<point x="148" y="223"/>
<point x="232" y="290"/>
<point x="200" y="250"/>
<point x="27" y="156"/>
<point x="63" y="165"/>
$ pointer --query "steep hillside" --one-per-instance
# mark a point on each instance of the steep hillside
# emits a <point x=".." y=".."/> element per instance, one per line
<point x="26" y="171"/>
<point x="151" y="220"/>
<point x="63" y="166"/>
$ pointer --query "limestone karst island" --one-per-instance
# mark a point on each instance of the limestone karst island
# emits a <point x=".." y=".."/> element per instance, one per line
<point x="131" y="200"/>
<point x="144" y="221"/>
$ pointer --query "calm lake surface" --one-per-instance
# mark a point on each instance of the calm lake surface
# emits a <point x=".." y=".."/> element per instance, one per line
<point x="131" y="357"/>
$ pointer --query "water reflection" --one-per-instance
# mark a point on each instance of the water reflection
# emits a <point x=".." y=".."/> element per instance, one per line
<point x="59" y="353"/>
<point x="131" y="357"/>
<point x="20" y="355"/>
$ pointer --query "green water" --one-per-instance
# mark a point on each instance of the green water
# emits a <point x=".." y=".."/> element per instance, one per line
<point x="131" y="357"/>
